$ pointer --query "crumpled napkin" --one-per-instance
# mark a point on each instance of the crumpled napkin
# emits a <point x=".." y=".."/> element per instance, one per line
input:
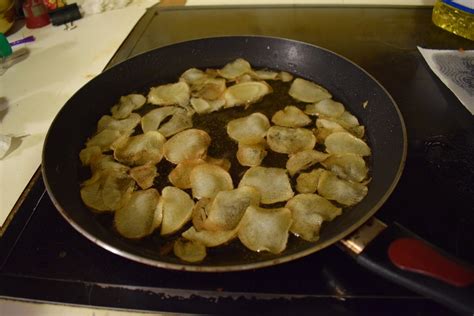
<point x="455" y="69"/>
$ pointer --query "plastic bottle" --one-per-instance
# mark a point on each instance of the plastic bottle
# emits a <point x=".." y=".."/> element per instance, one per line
<point x="455" y="16"/>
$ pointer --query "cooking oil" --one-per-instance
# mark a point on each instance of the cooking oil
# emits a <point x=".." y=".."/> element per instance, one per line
<point x="455" y="16"/>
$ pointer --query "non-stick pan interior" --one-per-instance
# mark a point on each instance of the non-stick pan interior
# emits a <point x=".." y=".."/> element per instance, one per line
<point x="347" y="82"/>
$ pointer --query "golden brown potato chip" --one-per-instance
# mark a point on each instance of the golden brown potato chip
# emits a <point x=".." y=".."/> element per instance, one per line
<point x="107" y="190"/>
<point x="303" y="160"/>
<point x="190" y="251"/>
<point x="308" y="182"/>
<point x="272" y="183"/>
<point x="265" y="229"/>
<point x="179" y="176"/>
<point x="177" y="208"/>
<point x="194" y="77"/>
<point x="220" y="162"/>
<point x="202" y="106"/>
<point x="152" y="120"/>
<point x="325" y="108"/>
<point x="140" y="149"/>
<point x="251" y="155"/>
<point x="207" y="180"/>
<point x="90" y="154"/>
<point x="106" y="162"/>
<point x="180" y="121"/>
<point x="135" y="218"/>
<point x="104" y="139"/>
<point x="264" y="75"/>
<point x="187" y="145"/>
<point x="248" y="130"/>
<point x="199" y="214"/>
<point x="170" y="94"/>
<point x="341" y="191"/>
<point x="291" y="116"/>
<point x="347" y="120"/>
<point x="125" y="125"/>
<point x="288" y="140"/>
<point x="210" y="238"/>
<point x="246" y="93"/>
<point x="347" y="166"/>
<point x="127" y="104"/>
<point x="228" y="207"/>
<point x="235" y="69"/>
<point x="346" y="143"/>
<point x="285" y="76"/>
<point x="307" y="91"/>
<point x="144" y="175"/>
<point x="211" y="89"/>
<point x="308" y="212"/>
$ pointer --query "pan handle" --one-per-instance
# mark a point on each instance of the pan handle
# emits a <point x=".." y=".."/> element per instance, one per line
<point x="403" y="257"/>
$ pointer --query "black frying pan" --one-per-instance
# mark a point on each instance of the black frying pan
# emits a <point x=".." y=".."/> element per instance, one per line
<point x="346" y="81"/>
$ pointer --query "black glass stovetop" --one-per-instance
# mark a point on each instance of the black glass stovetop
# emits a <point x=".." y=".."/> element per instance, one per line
<point x="43" y="258"/>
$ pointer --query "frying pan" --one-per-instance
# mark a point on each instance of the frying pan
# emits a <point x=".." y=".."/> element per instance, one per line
<point x="448" y="281"/>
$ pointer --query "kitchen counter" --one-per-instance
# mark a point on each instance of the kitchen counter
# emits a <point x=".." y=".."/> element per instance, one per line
<point x="64" y="267"/>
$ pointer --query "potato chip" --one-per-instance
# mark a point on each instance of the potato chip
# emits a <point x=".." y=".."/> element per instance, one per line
<point x="264" y="75"/>
<point x="303" y="160"/>
<point x="246" y="93"/>
<point x="210" y="238"/>
<point x="170" y="94"/>
<point x="202" y="106"/>
<point x="347" y="120"/>
<point x="220" y="162"/>
<point x="308" y="212"/>
<point x="307" y="91"/>
<point x="288" y="140"/>
<point x="190" y="251"/>
<point x="199" y="214"/>
<point x="346" y="143"/>
<point x="127" y="105"/>
<point x="249" y="129"/>
<point x="235" y="69"/>
<point x="341" y="191"/>
<point x="90" y="154"/>
<point x="177" y="208"/>
<point x="194" y="77"/>
<point x="265" y="229"/>
<point x="272" y="183"/>
<point x="228" y="207"/>
<point x="347" y="166"/>
<point x="144" y="175"/>
<point x="107" y="190"/>
<point x="325" y="108"/>
<point x="180" y="121"/>
<point x="308" y="182"/>
<point x="104" y="139"/>
<point x="358" y="131"/>
<point x="187" y="145"/>
<point x="135" y="219"/>
<point x="285" y="76"/>
<point x="107" y="162"/>
<point x="313" y="203"/>
<point x="251" y="155"/>
<point x="211" y="89"/>
<point x="125" y="125"/>
<point x="291" y="116"/>
<point x="244" y="78"/>
<point x="207" y="180"/>
<point x="140" y="149"/>
<point x="152" y="120"/>
<point x="179" y="176"/>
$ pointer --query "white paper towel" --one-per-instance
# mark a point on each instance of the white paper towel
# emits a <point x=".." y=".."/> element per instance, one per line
<point x="456" y="70"/>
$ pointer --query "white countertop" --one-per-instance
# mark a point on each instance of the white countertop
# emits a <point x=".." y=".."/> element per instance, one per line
<point x="60" y="62"/>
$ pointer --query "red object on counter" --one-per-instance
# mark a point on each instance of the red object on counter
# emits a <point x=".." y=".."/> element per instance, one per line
<point x="414" y="255"/>
<point x="36" y="14"/>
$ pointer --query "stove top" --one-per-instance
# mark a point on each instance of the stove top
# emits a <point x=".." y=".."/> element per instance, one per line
<point x="43" y="258"/>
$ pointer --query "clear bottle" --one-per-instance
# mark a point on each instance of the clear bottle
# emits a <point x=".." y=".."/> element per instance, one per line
<point x="455" y="16"/>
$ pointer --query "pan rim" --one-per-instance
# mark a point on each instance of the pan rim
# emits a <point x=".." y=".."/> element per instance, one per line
<point x="250" y="266"/>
